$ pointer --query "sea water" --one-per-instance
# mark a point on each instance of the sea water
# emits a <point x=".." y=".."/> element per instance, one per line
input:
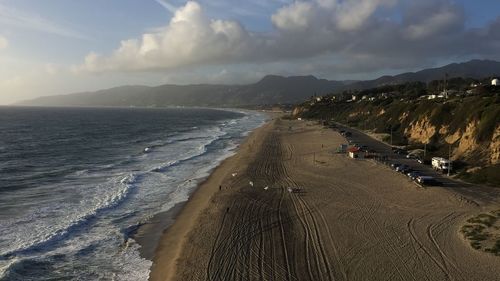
<point x="76" y="182"/>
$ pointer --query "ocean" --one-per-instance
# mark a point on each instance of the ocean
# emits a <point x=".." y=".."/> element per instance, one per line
<point x="75" y="183"/>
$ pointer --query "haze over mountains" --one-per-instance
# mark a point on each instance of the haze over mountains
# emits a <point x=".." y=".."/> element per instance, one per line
<point x="270" y="90"/>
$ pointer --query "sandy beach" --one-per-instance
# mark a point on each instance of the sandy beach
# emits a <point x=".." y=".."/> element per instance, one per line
<point x="348" y="219"/>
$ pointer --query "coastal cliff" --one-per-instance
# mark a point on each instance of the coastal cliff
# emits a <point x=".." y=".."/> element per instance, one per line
<point x="467" y="127"/>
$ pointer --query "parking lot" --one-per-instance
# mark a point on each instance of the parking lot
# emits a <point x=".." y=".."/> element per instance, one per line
<point x="472" y="191"/>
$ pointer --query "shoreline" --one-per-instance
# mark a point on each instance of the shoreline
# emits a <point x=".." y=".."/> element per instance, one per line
<point x="344" y="213"/>
<point x="149" y="234"/>
<point x="162" y="237"/>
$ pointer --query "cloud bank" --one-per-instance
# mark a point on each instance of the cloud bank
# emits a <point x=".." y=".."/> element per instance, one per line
<point x="349" y="35"/>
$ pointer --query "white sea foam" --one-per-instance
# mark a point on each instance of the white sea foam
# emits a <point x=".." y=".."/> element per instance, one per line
<point x="155" y="182"/>
<point x="35" y="231"/>
<point x="7" y="265"/>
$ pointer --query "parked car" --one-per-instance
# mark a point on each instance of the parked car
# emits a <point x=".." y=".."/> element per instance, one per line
<point x="413" y="175"/>
<point x="405" y="170"/>
<point x="395" y="165"/>
<point x="428" y="180"/>
<point x="435" y="182"/>
<point x="424" y="179"/>
<point x="420" y="160"/>
<point x="402" y="168"/>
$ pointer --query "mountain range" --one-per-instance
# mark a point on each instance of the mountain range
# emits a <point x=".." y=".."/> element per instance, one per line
<point x="269" y="90"/>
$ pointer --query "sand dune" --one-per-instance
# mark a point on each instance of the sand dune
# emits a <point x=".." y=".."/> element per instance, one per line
<point x="348" y="220"/>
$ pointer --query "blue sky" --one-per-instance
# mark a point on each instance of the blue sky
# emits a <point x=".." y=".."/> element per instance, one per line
<point x="61" y="46"/>
<point x="105" y="23"/>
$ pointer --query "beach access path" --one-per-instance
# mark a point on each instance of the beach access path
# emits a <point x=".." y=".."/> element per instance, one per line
<point x="345" y="219"/>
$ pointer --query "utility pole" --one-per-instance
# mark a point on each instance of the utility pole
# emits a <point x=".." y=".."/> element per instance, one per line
<point x="446" y="86"/>
<point x="449" y="159"/>
<point x="425" y="149"/>
<point x="391" y="135"/>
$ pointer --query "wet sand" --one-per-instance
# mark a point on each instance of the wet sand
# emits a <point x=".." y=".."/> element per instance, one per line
<point x="149" y="234"/>
<point x="349" y="219"/>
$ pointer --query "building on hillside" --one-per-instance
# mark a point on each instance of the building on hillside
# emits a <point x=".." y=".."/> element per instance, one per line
<point x="495" y="82"/>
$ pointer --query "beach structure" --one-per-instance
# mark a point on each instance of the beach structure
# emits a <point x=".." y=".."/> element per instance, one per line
<point x="355" y="153"/>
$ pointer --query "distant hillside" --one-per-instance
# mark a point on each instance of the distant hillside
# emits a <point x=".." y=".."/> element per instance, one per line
<point x="270" y="90"/>
<point x="476" y="69"/>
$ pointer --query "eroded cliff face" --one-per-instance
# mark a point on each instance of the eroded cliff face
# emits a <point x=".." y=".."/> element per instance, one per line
<point x="465" y="140"/>
<point x="298" y="110"/>
<point x="421" y="131"/>
<point x="495" y="146"/>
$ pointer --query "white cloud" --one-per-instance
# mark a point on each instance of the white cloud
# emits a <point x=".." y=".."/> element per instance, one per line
<point x="343" y="15"/>
<point x="296" y="16"/>
<point x="351" y="15"/>
<point x="329" y="4"/>
<point x="348" y="32"/>
<point x="428" y="20"/>
<point x="334" y="39"/>
<point x="4" y="43"/>
<point x="190" y="38"/>
<point x="432" y="25"/>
